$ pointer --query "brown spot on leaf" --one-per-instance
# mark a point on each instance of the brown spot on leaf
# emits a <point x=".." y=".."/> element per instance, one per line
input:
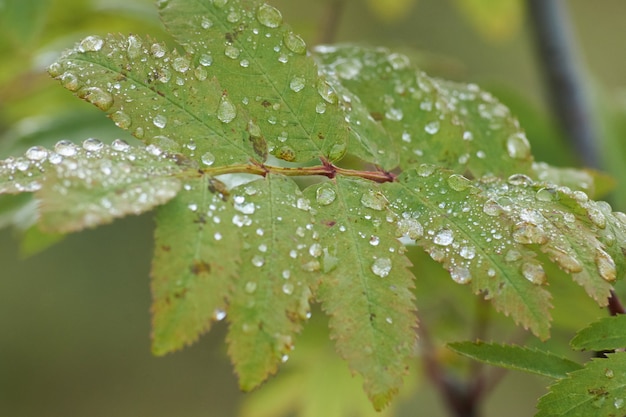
<point x="329" y="223"/>
<point x="378" y="116"/>
<point x="166" y="248"/>
<point x="265" y="103"/>
<point x="200" y="267"/>
<point x="217" y="186"/>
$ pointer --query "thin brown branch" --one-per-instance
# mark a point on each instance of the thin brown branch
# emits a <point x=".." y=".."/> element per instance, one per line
<point x="330" y="21"/>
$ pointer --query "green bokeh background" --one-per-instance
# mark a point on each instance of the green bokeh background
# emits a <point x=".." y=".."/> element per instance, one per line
<point x="74" y="319"/>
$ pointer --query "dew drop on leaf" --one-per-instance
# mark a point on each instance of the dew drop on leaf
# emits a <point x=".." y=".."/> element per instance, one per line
<point x="534" y="273"/>
<point x="374" y="240"/>
<point x="231" y="52"/>
<point x="320" y="108"/>
<point x="269" y="16"/>
<point x="381" y="267"/>
<point x="226" y="110"/>
<point x="294" y="43"/>
<point x="98" y="97"/>
<point x="520" y="179"/>
<point x="206" y="60"/>
<point x="250" y="287"/>
<point x="65" y="148"/>
<point x="303" y="204"/>
<point x="410" y="228"/>
<point x="325" y="195"/>
<point x="596" y="217"/>
<point x="92" y="145"/>
<point x="444" y="237"/>
<point x="460" y="274"/>
<point x="160" y="121"/>
<point x="394" y="114"/>
<point x="425" y="170"/>
<point x="315" y="250"/>
<point x="606" y="265"/>
<point x="512" y="255"/>
<point x="618" y="403"/>
<point x="181" y="64"/>
<point x="297" y="84"/>
<point x="467" y="252"/>
<point x="286" y="274"/>
<point x="91" y="44"/>
<point x="288" y="288"/>
<point x="36" y="153"/>
<point x="208" y="158"/>
<point x="432" y="127"/>
<point x="398" y="61"/>
<point x="529" y="233"/>
<point x="517" y="146"/>
<point x="121" y="119"/>
<point x="134" y="48"/>
<point x="206" y="23"/>
<point x="326" y="92"/>
<point x="70" y="81"/>
<point x="458" y="182"/>
<point x="373" y="200"/>
<point x="547" y="194"/>
<point x="219" y="315"/>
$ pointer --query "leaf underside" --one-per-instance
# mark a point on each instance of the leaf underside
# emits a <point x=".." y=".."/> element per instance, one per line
<point x="242" y="95"/>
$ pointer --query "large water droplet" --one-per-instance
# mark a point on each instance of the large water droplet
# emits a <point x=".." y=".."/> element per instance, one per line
<point x="181" y="64"/>
<point x="605" y="265"/>
<point x="70" y="81"/>
<point x="458" y="182"/>
<point x="529" y="233"/>
<point x="135" y="46"/>
<point x="91" y="44"/>
<point x="315" y="250"/>
<point x="596" y="217"/>
<point x="294" y="43"/>
<point x="303" y="204"/>
<point x="98" y="97"/>
<point x="320" y="108"/>
<point x="120" y="145"/>
<point x="432" y="127"/>
<point x="288" y="288"/>
<point x="444" y="237"/>
<point x="297" y="84"/>
<point x="374" y="200"/>
<point x="520" y="179"/>
<point x="36" y="153"/>
<point x="231" y="52"/>
<point x="219" y="315"/>
<point x="159" y="121"/>
<point x="121" y="119"/>
<point x="534" y="272"/>
<point x="206" y="60"/>
<point x="65" y="148"/>
<point x="92" y="145"/>
<point x="467" y="252"/>
<point x="226" y="111"/>
<point x="381" y="267"/>
<point x="326" y="92"/>
<point x="269" y="16"/>
<point x="460" y="274"/>
<point x="547" y="194"/>
<point x="325" y="195"/>
<point x="410" y="228"/>
<point x="250" y="287"/>
<point x="566" y="261"/>
<point x="425" y="170"/>
<point x="258" y="261"/>
<point x="517" y="146"/>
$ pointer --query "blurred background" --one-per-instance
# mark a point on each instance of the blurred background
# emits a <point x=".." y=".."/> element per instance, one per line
<point x="74" y="318"/>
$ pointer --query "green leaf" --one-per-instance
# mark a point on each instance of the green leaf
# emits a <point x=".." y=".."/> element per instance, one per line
<point x="195" y="263"/>
<point x="398" y="112"/>
<point x="270" y="298"/>
<point x="494" y="20"/>
<point x="96" y="183"/>
<point x="605" y="334"/>
<point x="263" y="67"/>
<point x="517" y="357"/>
<point x="597" y="390"/>
<point x="365" y="285"/>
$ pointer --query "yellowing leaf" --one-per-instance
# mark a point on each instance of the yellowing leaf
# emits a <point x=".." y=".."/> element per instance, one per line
<point x="390" y="10"/>
<point x="494" y="19"/>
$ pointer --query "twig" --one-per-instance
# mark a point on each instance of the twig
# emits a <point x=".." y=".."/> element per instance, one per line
<point x="330" y="21"/>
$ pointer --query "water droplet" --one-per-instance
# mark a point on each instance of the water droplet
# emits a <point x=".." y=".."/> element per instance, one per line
<point x="219" y="315"/>
<point x="121" y="119"/>
<point x="206" y="60"/>
<point x="244" y="63"/>
<point x="91" y="145"/>
<point x="381" y="267"/>
<point x="467" y="135"/>
<point x="258" y="261"/>
<point x="374" y="240"/>
<point x="160" y="121"/>
<point x="135" y="46"/>
<point x="157" y="50"/>
<point x="65" y="148"/>
<point x="226" y="111"/>
<point x="297" y="84"/>
<point x="432" y="127"/>
<point x="605" y="265"/>
<point x="444" y="237"/>
<point x="303" y="204"/>
<point x="288" y="288"/>
<point x="460" y="274"/>
<point x="596" y="217"/>
<point x="458" y="182"/>
<point x="374" y="200"/>
<point x="520" y="179"/>
<point x="325" y="195"/>
<point x="398" y="61"/>
<point x="534" y="272"/>
<point x="192" y="207"/>
<point x="98" y="97"/>
<point x="315" y="250"/>
<point x="250" y="287"/>
<point x="425" y="170"/>
<point x="36" y="153"/>
<point x="217" y="236"/>
<point x="326" y="92"/>
<point x="91" y="44"/>
<point x="529" y="233"/>
<point x="206" y="23"/>
<point x="609" y="373"/>
<point x="208" y="158"/>
<point x="269" y="16"/>
<point x="231" y="52"/>
<point x="547" y="194"/>
<point x="181" y="64"/>
<point x="55" y="69"/>
<point x="320" y="108"/>
<point x="618" y="403"/>
<point x="467" y="252"/>
<point x="517" y="146"/>
<point x="247" y="208"/>
<point x="566" y="261"/>
<point x="294" y="43"/>
<point x="286" y="274"/>
<point x="70" y="81"/>
<point x="410" y="228"/>
<point x="394" y="114"/>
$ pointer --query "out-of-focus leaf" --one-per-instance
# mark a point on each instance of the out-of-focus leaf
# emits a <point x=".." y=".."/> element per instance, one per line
<point x="390" y="10"/>
<point x="495" y="20"/>
<point x="605" y="334"/>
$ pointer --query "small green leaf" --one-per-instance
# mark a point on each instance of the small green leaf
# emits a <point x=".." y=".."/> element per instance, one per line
<point x="597" y="390"/>
<point x="517" y="357"/>
<point x="195" y="263"/>
<point x="365" y="285"/>
<point x="96" y="183"/>
<point x="270" y="298"/>
<point x="605" y="334"/>
<point x="264" y="68"/>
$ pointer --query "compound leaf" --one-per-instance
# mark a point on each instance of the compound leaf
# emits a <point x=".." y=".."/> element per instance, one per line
<point x="365" y="285"/>
<point x="517" y="357"/>
<point x="597" y="390"/>
<point x="605" y="334"/>
<point x="264" y="68"/>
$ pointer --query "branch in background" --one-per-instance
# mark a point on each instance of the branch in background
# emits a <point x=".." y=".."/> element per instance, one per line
<point x="564" y="81"/>
<point x="330" y="21"/>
